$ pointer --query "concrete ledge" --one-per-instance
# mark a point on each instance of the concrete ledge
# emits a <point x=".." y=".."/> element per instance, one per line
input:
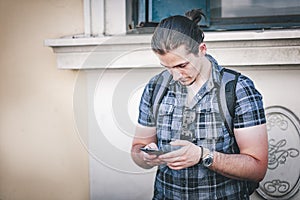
<point x="238" y="48"/>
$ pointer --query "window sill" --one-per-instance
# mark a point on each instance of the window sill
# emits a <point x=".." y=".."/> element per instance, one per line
<point x="231" y="48"/>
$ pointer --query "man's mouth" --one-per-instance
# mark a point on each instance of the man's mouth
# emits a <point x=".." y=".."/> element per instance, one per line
<point x="183" y="79"/>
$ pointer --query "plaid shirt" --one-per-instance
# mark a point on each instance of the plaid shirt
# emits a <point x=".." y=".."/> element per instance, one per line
<point x="208" y="130"/>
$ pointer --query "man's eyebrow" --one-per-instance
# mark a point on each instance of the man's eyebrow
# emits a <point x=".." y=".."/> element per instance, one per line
<point x="185" y="63"/>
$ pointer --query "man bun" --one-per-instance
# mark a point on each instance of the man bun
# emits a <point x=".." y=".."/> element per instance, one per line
<point x="195" y="15"/>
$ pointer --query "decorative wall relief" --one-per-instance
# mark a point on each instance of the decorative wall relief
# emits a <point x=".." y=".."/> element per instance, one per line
<point x="282" y="180"/>
<point x="279" y="154"/>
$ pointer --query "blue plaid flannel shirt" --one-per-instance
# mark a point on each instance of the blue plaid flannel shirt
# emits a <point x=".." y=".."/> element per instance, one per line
<point x="198" y="182"/>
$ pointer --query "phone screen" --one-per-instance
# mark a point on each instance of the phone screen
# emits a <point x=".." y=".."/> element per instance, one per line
<point x="152" y="151"/>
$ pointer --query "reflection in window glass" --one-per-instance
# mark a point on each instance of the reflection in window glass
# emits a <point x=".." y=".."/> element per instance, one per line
<point x="162" y="9"/>
<point x="256" y="8"/>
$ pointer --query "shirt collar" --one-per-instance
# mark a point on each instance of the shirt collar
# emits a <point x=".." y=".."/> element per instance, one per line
<point x="214" y="79"/>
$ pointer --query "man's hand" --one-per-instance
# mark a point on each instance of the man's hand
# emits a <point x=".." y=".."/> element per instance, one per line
<point x="152" y="160"/>
<point x="187" y="156"/>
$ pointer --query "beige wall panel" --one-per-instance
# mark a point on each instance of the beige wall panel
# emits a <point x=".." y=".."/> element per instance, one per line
<point x="41" y="156"/>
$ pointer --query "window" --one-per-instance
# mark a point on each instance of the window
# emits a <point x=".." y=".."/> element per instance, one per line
<point x="221" y="14"/>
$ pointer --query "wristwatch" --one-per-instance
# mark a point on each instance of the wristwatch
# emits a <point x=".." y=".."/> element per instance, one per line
<point x="208" y="159"/>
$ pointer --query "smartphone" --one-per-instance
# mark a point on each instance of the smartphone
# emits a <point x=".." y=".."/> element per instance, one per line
<point x="152" y="151"/>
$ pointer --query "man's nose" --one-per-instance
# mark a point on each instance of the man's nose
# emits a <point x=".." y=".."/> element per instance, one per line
<point x="176" y="74"/>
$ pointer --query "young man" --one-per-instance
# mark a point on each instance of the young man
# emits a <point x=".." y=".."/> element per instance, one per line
<point x="205" y="161"/>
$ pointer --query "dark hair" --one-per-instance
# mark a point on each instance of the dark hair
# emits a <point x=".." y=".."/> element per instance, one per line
<point x="178" y="30"/>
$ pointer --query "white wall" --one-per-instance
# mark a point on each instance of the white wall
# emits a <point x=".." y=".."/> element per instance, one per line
<point x="113" y="98"/>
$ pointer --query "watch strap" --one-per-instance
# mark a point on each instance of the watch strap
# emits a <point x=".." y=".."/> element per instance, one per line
<point x="201" y="154"/>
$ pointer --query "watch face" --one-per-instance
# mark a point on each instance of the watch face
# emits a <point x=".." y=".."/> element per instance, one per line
<point x="208" y="161"/>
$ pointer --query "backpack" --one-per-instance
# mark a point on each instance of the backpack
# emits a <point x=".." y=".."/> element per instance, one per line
<point x="226" y="97"/>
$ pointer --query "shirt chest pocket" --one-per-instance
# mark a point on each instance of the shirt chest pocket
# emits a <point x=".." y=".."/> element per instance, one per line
<point x="166" y="112"/>
<point x="166" y="109"/>
<point x="169" y="123"/>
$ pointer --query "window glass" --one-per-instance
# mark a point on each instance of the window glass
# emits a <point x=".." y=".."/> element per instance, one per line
<point x="255" y="8"/>
<point x="163" y="8"/>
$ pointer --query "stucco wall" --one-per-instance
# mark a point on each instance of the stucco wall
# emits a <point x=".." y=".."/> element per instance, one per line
<point x="41" y="156"/>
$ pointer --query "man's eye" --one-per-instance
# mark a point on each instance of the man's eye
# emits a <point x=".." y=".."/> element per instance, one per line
<point x="183" y="65"/>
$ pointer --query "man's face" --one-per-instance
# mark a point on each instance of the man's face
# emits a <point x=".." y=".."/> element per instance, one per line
<point x="184" y="66"/>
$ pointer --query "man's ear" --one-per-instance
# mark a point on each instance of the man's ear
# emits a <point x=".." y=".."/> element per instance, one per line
<point x="202" y="49"/>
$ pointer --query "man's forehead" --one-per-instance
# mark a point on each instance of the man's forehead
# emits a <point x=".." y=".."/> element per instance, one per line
<point x="180" y="51"/>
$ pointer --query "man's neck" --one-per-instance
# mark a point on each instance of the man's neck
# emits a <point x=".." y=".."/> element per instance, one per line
<point x="203" y="76"/>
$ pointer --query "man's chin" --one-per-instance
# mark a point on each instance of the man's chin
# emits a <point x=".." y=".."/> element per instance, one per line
<point x="186" y="83"/>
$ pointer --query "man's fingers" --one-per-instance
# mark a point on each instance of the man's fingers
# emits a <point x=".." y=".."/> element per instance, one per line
<point x="176" y="165"/>
<point x="180" y="143"/>
<point x="152" y="146"/>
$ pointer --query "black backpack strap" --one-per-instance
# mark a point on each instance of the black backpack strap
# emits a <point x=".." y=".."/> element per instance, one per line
<point x="227" y="97"/>
<point x="160" y="90"/>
